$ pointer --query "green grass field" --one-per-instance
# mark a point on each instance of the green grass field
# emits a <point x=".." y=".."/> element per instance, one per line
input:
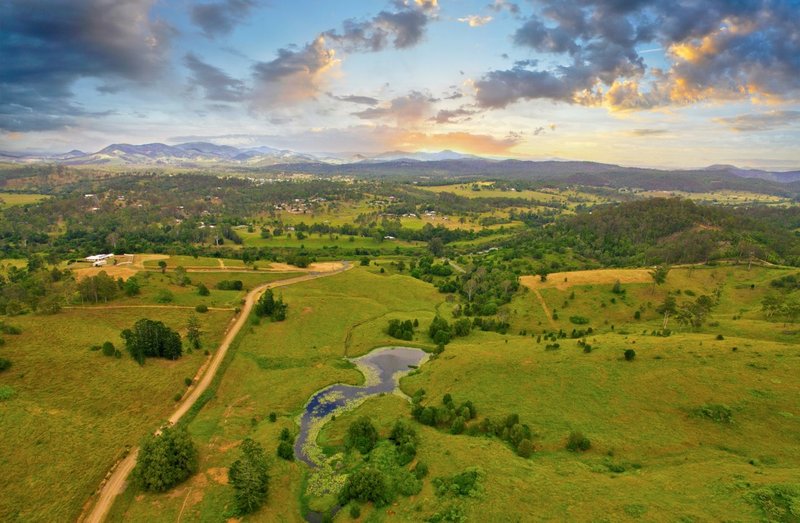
<point x="10" y="199"/>
<point x="188" y="262"/>
<point x="276" y="368"/>
<point x="74" y="411"/>
<point x="653" y="457"/>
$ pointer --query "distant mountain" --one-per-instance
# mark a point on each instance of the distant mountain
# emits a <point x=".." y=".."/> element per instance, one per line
<point x="782" y="177"/>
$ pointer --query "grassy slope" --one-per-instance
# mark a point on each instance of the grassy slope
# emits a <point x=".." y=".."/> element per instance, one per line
<point x="276" y="368"/>
<point x="76" y="410"/>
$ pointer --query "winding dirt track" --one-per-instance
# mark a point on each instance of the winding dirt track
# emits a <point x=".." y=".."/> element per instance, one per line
<point x="118" y="479"/>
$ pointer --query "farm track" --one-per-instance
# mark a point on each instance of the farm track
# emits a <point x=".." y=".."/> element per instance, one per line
<point x="117" y="481"/>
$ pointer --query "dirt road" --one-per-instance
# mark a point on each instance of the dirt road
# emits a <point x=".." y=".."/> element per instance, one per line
<point x="117" y="481"/>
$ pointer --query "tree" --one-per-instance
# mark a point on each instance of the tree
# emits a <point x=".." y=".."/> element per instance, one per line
<point x="365" y="484"/>
<point x="163" y="266"/>
<point x="667" y="308"/>
<point x="772" y="305"/>
<point x="436" y="246"/>
<point x="202" y="290"/>
<point x="361" y="435"/>
<point x="249" y="477"/>
<point x="193" y="332"/>
<point x="525" y="448"/>
<point x="268" y="305"/>
<point x="165" y="460"/>
<point x="131" y="287"/>
<point x="150" y="338"/>
<point x="286" y="451"/>
<point x="659" y="275"/>
<point x="630" y="354"/>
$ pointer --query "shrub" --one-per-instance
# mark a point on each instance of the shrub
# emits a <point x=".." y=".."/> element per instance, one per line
<point x="6" y="392"/>
<point x="5" y="364"/>
<point x="577" y="442"/>
<point x="188" y="381"/>
<point x="202" y="290"/>
<point x="355" y="511"/>
<point x="285" y="435"/>
<point x="177" y="397"/>
<point x="230" y="285"/>
<point x="579" y="320"/>
<point x="720" y="337"/>
<point x="716" y="412"/>
<point x="366" y="484"/>
<point x="108" y="349"/>
<point x="402" y="330"/>
<point x="525" y="448"/>
<point x="630" y="354"/>
<point x="201" y="308"/>
<point x="273" y="417"/>
<point x="421" y="470"/>
<point x="165" y="460"/>
<point x="286" y="451"/>
<point x="12" y="330"/>
<point x="165" y="296"/>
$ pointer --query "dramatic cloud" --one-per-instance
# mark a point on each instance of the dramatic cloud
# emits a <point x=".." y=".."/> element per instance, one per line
<point x="404" y="27"/>
<point x="217" y="85"/>
<point x="295" y="75"/>
<point x="475" y="20"/>
<point x="717" y="49"/>
<point x="219" y="18"/>
<point x="405" y="110"/>
<point x="47" y="45"/>
<point x="761" y="121"/>
<point x="356" y="99"/>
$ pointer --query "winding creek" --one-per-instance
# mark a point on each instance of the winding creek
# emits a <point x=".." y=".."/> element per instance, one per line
<point x="382" y="369"/>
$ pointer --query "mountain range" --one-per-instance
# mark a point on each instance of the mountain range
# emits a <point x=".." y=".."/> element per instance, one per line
<point x="435" y="164"/>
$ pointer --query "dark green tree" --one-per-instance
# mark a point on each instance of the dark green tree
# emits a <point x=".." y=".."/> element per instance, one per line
<point x="165" y="460"/>
<point x="249" y="477"/>
<point x="366" y="484"/>
<point x="150" y="338"/>
<point x="361" y="435"/>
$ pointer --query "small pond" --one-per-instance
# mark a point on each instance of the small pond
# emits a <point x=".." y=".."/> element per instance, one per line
<point x="382" y="369"/>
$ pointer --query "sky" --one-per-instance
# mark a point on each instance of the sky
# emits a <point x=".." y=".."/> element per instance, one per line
<point x="660" y="83"/>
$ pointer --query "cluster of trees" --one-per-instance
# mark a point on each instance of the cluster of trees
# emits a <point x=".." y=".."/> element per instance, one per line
<point x="249" y="477"/>
<point x="402" y="330"/>
<point x="165" y="459"/>
<point x="230" y="285"/>
<point x="777" y="305"/>
<point x="510" y="430"/>
<point x="465" y="483"/>
<point x="286" y="445"/>
<point x="271" y="307"/>
<point x="447" y="416"/>
<point x="149" y="338"/>
<point x="441" y="332"/>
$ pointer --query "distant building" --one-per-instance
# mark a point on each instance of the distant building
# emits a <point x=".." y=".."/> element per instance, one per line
<point x="96" y="259"/>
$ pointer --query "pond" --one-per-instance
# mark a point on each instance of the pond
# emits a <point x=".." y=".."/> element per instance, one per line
<point x="382" y="369"/>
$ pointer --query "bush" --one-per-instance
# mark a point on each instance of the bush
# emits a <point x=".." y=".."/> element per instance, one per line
<point x="108" y="349"/>
<point x="355" y="511"/>
<point x="285" y="435"/>
<point x="402" y="330"/>
<point x="273" y="417"/>
<point x="201" y="308"/>
<point x="165" y="460"/>
<point x="230" y="285"/>
<point x="202" y="290"/>
<point x="421" y="470"/>
<point x="5" y="364"/>
<point x="579" y="320"/>
<point x="365" y="484"/>
<point x="630" y="354"/>
<point x="577" y="442"/>
<point x="720" y="337"/>
<point x="286" y="451"/>
<point x="525" y="448"/>
<point x="177" y="397"/>
<point x="188" y="381"/>
<point x="716" y="412"/>
<point x="361" y="435"/>
<point x="164" y="296"/>
<point x="249" y="477"/>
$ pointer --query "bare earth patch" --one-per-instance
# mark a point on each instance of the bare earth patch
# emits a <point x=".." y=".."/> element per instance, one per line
<point x="219" y="475"/>
<point x="115" y="271"/>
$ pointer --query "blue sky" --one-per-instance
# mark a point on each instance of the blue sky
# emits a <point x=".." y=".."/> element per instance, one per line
<point x="680" y="83"/>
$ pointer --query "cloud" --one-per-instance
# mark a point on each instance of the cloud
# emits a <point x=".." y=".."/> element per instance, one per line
<point x="48" y="45"/>
<point x="404" y="27"/>
<point x="219" y="18"/>
<point x="761" y="121"/>
<point x="217" y="85"/>
<point x="646" y="132"/>
<point x="475" y="20"/>
<point x="356" y="99"/>
<point x="295" y="75"/>
<point x="404" y="110"/>
<point x="716" y="50"/>
<point x="453" y="115"/>
<point x="505" y="5"/>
